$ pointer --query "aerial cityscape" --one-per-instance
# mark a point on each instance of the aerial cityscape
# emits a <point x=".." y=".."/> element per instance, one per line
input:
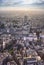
<point x="21" y="32"/>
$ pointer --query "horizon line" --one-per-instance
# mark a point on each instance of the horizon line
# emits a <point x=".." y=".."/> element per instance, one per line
<point x="19" y="8"/>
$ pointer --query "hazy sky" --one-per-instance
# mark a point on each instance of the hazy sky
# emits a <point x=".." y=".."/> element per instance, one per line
<point x="22" y="3"/>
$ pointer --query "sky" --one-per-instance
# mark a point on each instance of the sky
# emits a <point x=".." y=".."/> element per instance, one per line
<point x="22" y="3"/>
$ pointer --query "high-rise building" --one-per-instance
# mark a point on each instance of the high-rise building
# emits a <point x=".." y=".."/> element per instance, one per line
<point x="25" y="18"/>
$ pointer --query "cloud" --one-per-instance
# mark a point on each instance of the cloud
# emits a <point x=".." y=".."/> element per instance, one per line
<point x="21" y="2"/>
<point x="10" y="2"/>
<point x="32" y="1"/>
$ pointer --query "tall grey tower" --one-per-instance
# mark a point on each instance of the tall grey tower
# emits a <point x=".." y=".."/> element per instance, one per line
<point x="25" y="19"/>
